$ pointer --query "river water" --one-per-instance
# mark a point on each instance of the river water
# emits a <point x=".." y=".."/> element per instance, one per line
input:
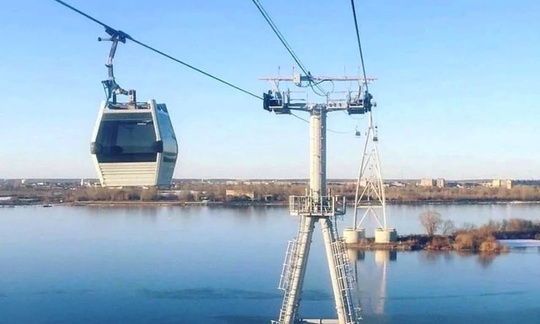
<point x="222" y="265"/>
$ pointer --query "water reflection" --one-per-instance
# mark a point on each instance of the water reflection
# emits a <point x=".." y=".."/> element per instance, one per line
<point x="371" y="278"/>
<point x="433" y="257"/>
<point x="241" y="211"/>
<point x="219" y="265"/>
<point x="207" y="293"/>
<point x="485" y="259"/>
<point x="355" y="255"/>
<point x="373" y="269"/>
<point x="148" y="214"/>
<point x="143" y="212"/>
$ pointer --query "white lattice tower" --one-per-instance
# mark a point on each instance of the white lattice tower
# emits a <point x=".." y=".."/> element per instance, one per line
<point x="370" y="199"/>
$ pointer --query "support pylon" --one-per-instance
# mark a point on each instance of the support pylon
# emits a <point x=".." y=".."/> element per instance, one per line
<point x="317" y="206"/>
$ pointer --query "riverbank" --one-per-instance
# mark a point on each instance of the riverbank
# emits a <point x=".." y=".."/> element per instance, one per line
<point x="475" y="240"/>
<point x="369" y="245"/>
<point x="266" y="194"/>
<point x="174" y="203"/>
<point x="124" y="203"/>
<point x="350" y="204"/>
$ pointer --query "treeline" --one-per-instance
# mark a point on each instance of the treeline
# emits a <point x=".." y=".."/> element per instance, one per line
<point x="485" y="238"/>
<point x="278" y="192"/>
<point x="474" y="194"/>
<point x="103" y="194"/>
<point x="38" y="196"/>
<point x="411" y="194"/>
<point x="514" y="228"/>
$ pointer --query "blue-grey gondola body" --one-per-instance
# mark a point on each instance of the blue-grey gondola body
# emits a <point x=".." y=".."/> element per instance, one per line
<point x="134" y="147"/>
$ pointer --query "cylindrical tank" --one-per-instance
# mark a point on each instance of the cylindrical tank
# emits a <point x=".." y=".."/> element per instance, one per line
<point x="385" y="235"/>
<point x="354" y="235"/>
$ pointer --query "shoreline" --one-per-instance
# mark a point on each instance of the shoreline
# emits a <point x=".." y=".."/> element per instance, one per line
<point x="256" y="204"/>
<point x="486" y="241"/>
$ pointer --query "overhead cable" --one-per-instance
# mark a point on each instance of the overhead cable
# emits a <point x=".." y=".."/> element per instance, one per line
<point x="288" y="47"/>
<point x="107" y="27"/>
<point x="359" y="44"/>
<point x="126" y="36"/>
<point x="329" y="130"/>
<point x="280" y="36"/>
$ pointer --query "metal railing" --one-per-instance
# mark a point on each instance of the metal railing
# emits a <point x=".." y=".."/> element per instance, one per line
<point x="324" y="206"/>
<point x="346" y="281"/>
<point x="286" y="272"/>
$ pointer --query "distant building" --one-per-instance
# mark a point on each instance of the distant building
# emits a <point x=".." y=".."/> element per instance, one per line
<point x="232" y="194"/>
<point x="427" y="183"/>
<point x="498" y="183"/>
<point x="441" y="183"/>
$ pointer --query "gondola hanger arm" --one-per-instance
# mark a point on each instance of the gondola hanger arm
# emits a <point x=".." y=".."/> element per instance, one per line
<point x="110" y="86"/>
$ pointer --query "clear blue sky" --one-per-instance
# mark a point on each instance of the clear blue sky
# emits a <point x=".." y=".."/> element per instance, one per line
<point x="457" y="91"/>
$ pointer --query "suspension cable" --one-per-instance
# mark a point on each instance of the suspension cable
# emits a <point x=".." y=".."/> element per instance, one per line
<point x="359" y="44"/>
<point x="302" y="119"/>
<point x="159" y="52"/>
<point x="196" y="69"/>
<point x="272" y="25"/>
<point x="327" y="129"/>
<point x="107" y="27"/>
<point x="280" y="35"/>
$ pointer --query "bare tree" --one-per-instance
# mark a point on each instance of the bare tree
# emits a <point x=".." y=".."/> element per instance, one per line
<point x="448" y="227"/>
<point x="431" y="221"/>
<point x="468" y="226"/>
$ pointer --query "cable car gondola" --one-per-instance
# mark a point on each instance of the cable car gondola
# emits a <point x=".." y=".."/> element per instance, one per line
<point x="133" y="143"/>
<point x="134" y="147"/>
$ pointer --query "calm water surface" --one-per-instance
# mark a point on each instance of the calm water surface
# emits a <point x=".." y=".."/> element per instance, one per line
<point x="222" y="265"/>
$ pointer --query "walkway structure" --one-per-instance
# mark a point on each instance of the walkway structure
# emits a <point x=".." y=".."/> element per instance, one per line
<point x="317" y="205"/>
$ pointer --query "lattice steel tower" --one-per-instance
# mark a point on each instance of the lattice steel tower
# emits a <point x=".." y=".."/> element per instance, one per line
<point x="317" y="205"/>
<point x="370" y="199"/>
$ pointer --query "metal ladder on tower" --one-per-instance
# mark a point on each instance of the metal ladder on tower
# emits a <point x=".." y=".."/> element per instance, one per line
<point x="286" y="277"/>
<point x="346" y="280"/>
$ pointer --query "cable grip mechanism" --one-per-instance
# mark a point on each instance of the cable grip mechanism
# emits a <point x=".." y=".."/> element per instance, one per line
<point x="111" y="88"/>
